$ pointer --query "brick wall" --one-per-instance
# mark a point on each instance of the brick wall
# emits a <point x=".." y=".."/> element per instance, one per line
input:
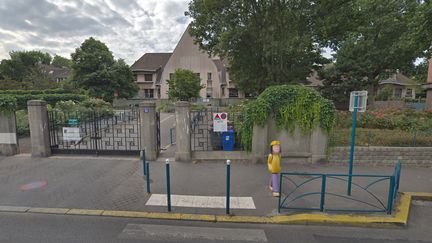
<point x="383" y="155"/>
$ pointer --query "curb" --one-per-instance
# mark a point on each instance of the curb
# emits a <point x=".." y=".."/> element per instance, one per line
<point x="399" y="218"/>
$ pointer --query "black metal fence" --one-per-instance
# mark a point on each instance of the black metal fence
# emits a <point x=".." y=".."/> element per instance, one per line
<point x="203" y="137"/>
<point x="94" y="133"/>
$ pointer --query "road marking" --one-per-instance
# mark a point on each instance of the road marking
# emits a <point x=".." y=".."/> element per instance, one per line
<point x="201" y="201"/>
<point x="146" y="231"/>
<point x="14" y="209"/>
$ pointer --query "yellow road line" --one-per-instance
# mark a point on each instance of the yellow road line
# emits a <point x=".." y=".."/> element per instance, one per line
<point x="49" y="210"/>
<point x="91" y="212"/>
<point x="400" y="217"/>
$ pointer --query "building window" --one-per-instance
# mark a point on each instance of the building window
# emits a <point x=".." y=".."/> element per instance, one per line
<point x="222" y="91"/>
<point x="148" y="93"/>
<point x="233" y="93"/>
<point x="398" y="93"/>
<point x="198" y="75"/>
<point x="135" y="77"/>
<point x="171" y="76"/>
<point x="209" y="76"/>
<point x="148" y="77"/>
<point x="408" y="93"/>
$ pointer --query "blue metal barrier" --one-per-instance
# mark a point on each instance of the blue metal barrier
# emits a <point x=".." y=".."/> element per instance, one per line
<point x="293" y="191"/>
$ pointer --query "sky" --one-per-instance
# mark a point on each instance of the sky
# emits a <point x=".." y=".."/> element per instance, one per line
<point x="129" y="28"/>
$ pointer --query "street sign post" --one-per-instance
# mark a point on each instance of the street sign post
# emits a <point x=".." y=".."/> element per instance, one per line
<point x="358" y="101"/>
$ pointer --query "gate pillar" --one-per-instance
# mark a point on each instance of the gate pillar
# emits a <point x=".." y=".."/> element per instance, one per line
<point x="149" y="130"/>
<point x="39" y="129"/>
<point x="183" y="131"/>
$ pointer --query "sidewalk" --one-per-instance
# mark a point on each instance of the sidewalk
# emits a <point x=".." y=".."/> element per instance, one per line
<point x="112" y="183"/>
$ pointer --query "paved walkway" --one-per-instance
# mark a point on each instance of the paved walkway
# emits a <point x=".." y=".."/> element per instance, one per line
<point x="117" y="183"/>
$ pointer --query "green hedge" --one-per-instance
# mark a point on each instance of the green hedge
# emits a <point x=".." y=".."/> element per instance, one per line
<point x="12" y="102"/>
<point x="34" y="92"/>
<point x="7" y="103"/>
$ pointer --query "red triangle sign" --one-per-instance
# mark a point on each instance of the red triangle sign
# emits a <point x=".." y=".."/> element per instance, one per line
<point x="217" y="116"/>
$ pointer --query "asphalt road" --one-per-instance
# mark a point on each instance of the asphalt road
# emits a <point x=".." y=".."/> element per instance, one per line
<point x="18" y="227"/>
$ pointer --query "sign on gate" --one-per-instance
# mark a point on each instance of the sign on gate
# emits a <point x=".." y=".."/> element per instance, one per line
<point x="220" y="122"/>
<point x="72" y="122"/>
<point x="71" y="134"/>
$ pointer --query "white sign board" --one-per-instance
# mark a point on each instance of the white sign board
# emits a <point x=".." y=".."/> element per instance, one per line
<point x="71" y="134"/>
<point x="361" y="100"/>
<point x="220" y="122"/>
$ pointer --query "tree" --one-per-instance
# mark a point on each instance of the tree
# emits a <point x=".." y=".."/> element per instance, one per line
<point x="265" y="42"/>
<point x="184" y="85"/>
<point x="61" y="62"/>
<point x="94" y="69"/>
<point x="23" y="70"/>
<point x="372" y="48"/>
<point x="124" y="80"/>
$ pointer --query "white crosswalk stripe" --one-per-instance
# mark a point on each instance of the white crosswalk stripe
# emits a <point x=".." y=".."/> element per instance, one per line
<point x="201" y="201"/>
<point x="146" y="231"/>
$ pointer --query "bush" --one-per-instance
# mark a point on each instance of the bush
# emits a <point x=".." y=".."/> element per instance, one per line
<point x="99" y="106"/>
<point x="290" y="106"/>
<point x="380" y="137"/>
<point x="385" y="94"/>
<point x="51" y="99"/>
<point x="405" y="120"/>
<point x="166" y="107"/>
<point x="7" y="103"/>
<point x="22" y="123"/>
<point x="34" y="92"/>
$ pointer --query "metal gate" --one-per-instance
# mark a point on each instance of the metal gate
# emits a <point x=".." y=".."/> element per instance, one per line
<point x="203" y="138"/>
<point x="95" y="133"/>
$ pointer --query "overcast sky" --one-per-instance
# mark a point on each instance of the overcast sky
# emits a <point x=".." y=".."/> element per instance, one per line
<point x="129" y="28"/>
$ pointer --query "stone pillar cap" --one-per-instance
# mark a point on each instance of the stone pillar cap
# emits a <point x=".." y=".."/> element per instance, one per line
<point x="147" y="104"/>
<point x="36" y="103"/>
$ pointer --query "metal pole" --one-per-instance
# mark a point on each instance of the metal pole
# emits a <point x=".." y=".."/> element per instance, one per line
<point x="167" y="164"/>
<point x="147" y="166"/>
<point x="390" y="195"/>
<point x="323" y="190"/>
<point x="142" y="155"/>
<point x="353" y="133"/>
<point x="280" y="192"/>
<point x="228" y="172"/>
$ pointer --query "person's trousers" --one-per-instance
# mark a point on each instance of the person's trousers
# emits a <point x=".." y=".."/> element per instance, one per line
<point x="274" y="182"/>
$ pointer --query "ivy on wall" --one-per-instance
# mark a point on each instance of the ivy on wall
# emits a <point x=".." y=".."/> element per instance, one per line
<point x="290" y="106"/>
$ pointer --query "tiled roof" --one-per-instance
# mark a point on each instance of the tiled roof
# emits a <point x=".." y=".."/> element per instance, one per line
<point x="399" y="79"/>
<point x="151" y="62"/>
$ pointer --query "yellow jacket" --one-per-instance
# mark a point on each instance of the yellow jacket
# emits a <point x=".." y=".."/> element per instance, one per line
<point x="273" y="163"/>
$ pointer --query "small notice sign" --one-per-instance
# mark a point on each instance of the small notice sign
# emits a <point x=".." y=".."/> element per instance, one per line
<point x="71" y="134"/>
<point x="220" y="122"/>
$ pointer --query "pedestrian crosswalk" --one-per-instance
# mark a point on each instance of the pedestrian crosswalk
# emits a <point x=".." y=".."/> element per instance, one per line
<point x="190" y="233"/>
<point x="201" y="201"/>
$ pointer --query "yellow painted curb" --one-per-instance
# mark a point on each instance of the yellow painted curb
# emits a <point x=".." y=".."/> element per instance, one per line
<point x="400" y="217"/>
<point x="128" y="214"/>
<point x="49" y="210"/>
<point x="244" y="219"/>
<point x="425" y="196"/>
<point x="91" y="212"/>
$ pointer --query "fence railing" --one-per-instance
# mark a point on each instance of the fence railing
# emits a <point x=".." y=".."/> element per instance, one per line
<point x="327" y="192"/>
